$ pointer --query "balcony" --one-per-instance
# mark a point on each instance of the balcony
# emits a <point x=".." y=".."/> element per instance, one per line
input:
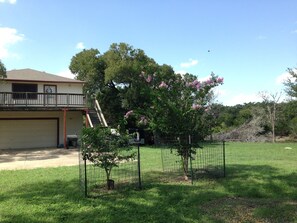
<point x="20" y="100"/>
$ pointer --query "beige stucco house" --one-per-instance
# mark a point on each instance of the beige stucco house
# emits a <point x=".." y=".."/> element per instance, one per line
<point x="39" y="109"/>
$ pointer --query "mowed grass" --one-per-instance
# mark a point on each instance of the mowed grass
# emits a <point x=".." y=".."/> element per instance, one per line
<point x="260" y="186"/>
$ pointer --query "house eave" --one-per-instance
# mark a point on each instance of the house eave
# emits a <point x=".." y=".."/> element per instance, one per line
<point x="43" y="81"/>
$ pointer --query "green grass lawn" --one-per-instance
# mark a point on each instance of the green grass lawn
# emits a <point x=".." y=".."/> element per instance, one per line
<point x="260" y="186"/>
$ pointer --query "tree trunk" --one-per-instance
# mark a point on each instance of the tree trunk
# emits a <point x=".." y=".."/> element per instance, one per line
<point x="185" y="163"/>
<point x="109" y="182"/>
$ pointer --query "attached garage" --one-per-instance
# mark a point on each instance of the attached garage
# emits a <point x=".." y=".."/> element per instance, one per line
<point x="29" y="133"/>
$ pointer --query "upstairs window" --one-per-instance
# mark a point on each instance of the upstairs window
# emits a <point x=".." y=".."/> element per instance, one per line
<point x="20" y="90"/>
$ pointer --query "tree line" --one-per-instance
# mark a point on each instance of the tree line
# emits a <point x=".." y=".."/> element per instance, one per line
<point x="257" y="118"/>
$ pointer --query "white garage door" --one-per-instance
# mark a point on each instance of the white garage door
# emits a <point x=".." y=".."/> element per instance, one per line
<point x="29" y="133"/>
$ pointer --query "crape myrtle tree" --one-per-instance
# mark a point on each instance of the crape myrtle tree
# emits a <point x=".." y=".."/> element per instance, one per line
<point x="178" y="103"/>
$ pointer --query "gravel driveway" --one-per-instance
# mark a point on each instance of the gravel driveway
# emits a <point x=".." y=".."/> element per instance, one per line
<point x="36" y="158"/>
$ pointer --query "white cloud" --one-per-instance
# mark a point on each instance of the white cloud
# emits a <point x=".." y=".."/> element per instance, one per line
<point x="80" y="46"/>
<point x="237" y="98"/>
<point x="66" y="73"/>
<point x="190" y="63"/>
<point x="8" y="1"/>
<point x="283" y="77"/>
<point x="8" y="37"/>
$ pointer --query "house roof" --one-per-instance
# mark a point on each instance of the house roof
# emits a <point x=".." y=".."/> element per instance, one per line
<point x="30" y="75"/>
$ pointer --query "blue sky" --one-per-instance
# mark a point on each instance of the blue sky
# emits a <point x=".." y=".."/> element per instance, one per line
<point x="250" y="43"/>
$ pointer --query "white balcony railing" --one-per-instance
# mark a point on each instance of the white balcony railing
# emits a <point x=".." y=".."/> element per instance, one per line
<point x="35" y="99"/>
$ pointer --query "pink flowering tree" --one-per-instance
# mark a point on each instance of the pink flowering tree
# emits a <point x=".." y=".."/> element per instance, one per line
<point x="177" y="105"/>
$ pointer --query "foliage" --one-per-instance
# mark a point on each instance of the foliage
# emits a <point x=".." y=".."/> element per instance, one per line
<point x="105" y="149"/>
<point x="291" y="83"/>
<point x="293" y="127"/>
<point x="114" y="78"/>
<point x="2" y="70"/>
<point x="88" y="66"/>
<point x="177" y="102"/>
<point x="287" y="112"/>
<point x="124" y="63"/>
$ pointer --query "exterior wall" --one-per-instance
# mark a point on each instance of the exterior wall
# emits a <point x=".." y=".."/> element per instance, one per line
<point x="5" y="86"/>
<point x="68" y="88"/>
<point x="74" y="120"/>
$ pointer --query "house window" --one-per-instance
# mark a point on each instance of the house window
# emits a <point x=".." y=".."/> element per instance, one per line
<point x="24" y="91"/>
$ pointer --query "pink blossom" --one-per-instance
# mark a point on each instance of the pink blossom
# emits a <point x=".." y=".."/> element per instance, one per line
<point x="163" y="85"/>
<point x="220" y="80"/>
<point x="128" y="114"/>
<point x="196" y="107"/>
<point x="149" y="79"/>
<point x="195" y="84"/>
<point x="209" y="81"/>
<point x="198" y="85"/>
<point x="143" y="120"/>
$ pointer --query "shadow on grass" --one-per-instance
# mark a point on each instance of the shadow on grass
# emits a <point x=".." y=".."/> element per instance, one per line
<point x="260" y="181"/>
<point x="60" y="201"/>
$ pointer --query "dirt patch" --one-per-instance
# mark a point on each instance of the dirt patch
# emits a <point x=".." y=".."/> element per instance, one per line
<point x="237" y="209"/>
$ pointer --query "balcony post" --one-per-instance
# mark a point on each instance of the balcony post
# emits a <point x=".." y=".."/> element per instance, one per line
<point x="4" y="98"/>
<point x="65" y="128"/>
<point x="67" y="100"/>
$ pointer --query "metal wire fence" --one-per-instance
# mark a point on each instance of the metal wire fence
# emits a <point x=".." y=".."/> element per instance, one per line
<point x="208" y="159"/>
<point x="93" y="180"/>
<point x="205" y="158"/>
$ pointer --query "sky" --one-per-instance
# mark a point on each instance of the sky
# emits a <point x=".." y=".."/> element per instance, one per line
<point x="250" y="43"/>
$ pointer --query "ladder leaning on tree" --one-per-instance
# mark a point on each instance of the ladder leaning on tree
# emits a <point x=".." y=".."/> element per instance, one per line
<point x="95" y="116"/>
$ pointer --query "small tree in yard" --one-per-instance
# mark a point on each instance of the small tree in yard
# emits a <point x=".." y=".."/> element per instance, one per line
<point x="105" y="149"/>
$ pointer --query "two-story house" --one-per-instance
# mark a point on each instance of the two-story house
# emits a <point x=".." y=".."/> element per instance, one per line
<point x="38" y="109"/>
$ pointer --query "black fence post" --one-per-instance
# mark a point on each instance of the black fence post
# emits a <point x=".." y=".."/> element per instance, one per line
<point x="224" y="158"/>
<point x="138" y="163"/>
<point x="86" y="183"/>
<point x="191" y="167"/>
